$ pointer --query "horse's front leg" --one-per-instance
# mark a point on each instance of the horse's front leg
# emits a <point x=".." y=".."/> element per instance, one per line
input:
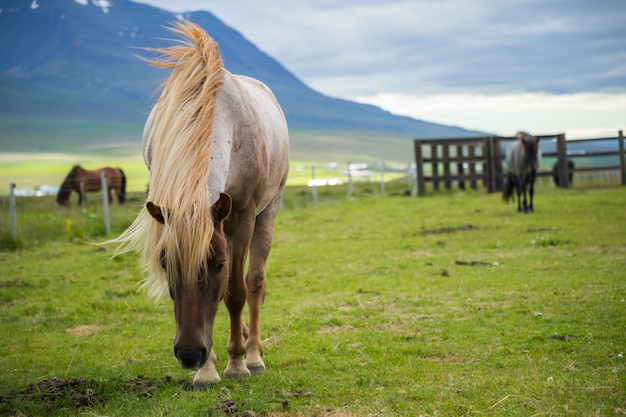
<point x="207" y="374"/>
<point x="239" y="230"/>
<point x="256" y="284"/>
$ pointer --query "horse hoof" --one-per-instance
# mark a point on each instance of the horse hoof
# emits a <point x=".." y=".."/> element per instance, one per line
<point x="256" y="370"/>
<point x="204" y="377"/>
<point x="237" y="371"/>
<point x="200" y="386"/>
<point x="255" y="365"/>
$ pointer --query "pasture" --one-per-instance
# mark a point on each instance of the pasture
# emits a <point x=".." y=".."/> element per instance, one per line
<point x="447" y="304"/>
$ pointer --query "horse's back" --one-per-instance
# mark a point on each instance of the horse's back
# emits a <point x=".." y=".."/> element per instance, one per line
<point x="515" y="157"/>
<point x="259" y="152"/>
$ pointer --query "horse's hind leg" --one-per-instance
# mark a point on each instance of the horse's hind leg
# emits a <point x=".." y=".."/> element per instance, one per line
<point x="256" y="284"/>
<point x="519" y="197"/>
<point x="531" y="193"/>
<point x="525" y="200"/>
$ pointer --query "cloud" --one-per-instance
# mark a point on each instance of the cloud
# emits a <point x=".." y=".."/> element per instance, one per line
<point x="556" y="46"/>
<point x="515" y="60"/>
<point x="578" y="115"/>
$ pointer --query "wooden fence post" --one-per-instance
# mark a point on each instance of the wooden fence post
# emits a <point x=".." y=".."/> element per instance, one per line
<point x="561" y="152"/>
<point x="497" y="163"/>
<point x="105" y="202"/>
<point x="419" y="167"/>
<point x="13" y="210"/>
<point x="622" y="157"/>
<point x="492" y="159"/>
<point x="460" y="169"/>
<point x="434" y="165"/>
<point x="472" y="166"/>
<point x="487" y="166"/>
<point x="447" y="183"/>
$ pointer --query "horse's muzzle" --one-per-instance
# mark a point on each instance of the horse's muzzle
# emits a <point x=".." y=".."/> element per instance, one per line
<point x="193" y="359"/>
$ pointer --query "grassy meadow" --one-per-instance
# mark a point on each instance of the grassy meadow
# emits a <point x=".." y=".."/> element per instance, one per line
<point x="447" y="304"/>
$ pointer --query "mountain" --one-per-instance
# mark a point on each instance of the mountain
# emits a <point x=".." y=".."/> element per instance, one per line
<point x="74" y="61"/>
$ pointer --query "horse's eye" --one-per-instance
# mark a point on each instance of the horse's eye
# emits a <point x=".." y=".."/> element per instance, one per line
<point x="218" y="267"/>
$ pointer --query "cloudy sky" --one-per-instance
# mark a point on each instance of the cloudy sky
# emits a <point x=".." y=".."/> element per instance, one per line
<point x="545" y="66"/>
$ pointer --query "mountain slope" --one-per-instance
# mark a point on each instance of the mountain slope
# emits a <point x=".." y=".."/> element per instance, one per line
<point x="75" y="60"/>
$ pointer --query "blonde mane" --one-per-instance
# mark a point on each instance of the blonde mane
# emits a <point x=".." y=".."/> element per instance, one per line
<point x="180" y="161"/>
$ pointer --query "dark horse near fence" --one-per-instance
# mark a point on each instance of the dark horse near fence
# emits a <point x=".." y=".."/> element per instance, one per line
<point x="85" y="181"/>
<point x="217" y="148"/>
<point x="522" y="159"/>
<point x="571" y="166"/>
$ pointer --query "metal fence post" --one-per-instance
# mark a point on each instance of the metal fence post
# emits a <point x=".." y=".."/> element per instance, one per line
<point x="622" y="157"/>
<point x="105" y="202"/>
<point x="13" y="210"/>
<point x="83" y="196"/>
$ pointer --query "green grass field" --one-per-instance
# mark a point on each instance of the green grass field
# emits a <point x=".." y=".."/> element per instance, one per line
<point x="446" y="304"/>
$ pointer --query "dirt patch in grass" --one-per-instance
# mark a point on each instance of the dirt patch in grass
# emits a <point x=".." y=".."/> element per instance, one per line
<point x="447" y="230"/>
<point x="88" y="329"/>
<point x="563" y="337"/>
<point x="539" y="229"/>
<point x="79" y="393"/>
<point x="476" y="263"/>
<point x="14" y="284"/>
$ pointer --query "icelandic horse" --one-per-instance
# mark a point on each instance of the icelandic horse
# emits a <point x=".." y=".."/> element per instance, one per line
<point x="217" y="148"/>
<point x="84" y="181"/>
<point x="522" y="159"/>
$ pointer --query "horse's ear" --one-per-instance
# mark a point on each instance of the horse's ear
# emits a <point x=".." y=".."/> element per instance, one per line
<point x="222" y="207"/>
<point x="156" y="212"/>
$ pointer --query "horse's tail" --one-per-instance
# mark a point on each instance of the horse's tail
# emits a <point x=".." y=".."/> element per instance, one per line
<point x="122" y="196"/>
<point x="508" y="191"/>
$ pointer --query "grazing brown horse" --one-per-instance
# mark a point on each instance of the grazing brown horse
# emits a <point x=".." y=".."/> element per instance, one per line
<point x="523" y="159"/>
<point x="217" y="148"/>
<point x="85" y="181"/>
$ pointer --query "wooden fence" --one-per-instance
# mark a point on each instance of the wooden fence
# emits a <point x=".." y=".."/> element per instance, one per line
<point x="480" y="159"/>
